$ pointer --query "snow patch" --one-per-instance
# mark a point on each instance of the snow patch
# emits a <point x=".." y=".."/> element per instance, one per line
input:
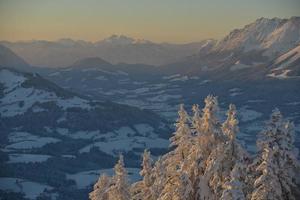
<point x="248" y="115"/>
<point x="24" y="140"/>
<point x="27" y="158"/>
<point x="86" y="178"/>
<point x="31" y="189"/>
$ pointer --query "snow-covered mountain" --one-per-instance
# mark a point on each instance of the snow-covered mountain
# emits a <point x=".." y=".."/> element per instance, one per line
<point x="118" y="40"/>
<point x="249" y="49"/>
<point x="115" y="49"/>
<point x="273" y="36"/>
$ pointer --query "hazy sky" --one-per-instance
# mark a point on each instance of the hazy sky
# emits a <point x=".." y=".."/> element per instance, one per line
<point x="158" y="20"/>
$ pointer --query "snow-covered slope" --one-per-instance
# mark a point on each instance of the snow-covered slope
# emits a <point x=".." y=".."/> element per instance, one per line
<point x="20" y="95"/>
<point x="288" y="59"/>
<point x="287" y="65"/>
<point x="44" y="125"/>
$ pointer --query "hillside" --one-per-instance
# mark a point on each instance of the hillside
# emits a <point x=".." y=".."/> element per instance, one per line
<point x="44" y="125"/>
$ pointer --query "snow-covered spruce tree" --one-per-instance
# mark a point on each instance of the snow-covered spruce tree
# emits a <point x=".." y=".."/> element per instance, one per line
<point x="182" y="137"/>
<point x="225" y="156"/>
<point x="120" y="190"/>
<point x="277" y="163"/>
<point x="196" y="120"/>
<point x="146" y="172"/>
<point x="230" y="126"/>
<point x="101" y="188"/>
<point x="160" y="177"/>
<point x="207" y="132"/>
<point x="267" y="185"/>
<point x="208" y="135"/>
<point x="142" y="189"/>
<point x="210" y="122"/>
<point x="177" y="187"/>
<point x="234" y="185"/>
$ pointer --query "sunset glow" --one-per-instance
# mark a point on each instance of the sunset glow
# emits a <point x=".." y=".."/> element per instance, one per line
<point x="160" y="21"/>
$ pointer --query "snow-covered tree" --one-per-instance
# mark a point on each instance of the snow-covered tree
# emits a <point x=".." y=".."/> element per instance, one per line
<point x="210" y="132"/>
<point x="209" y="121"/>
<point x="225" y="156"/>
<point x="182" y="137"/>
<point x="142" y="190"/>
<point x="146" y="172"/>
<point x="120" y="190"/>
<point x="196" y="120"/>
<point x="182" y="128"/>
<point x="277" y="159"/>
<point x="101" y="188"/>
<point x="267" y="185"/>
<point x="234" y="185"/>
<point x="230" y="126"/>
<point x="160" y="177"/>
<point x="208" y="163"/>
<point x="177" y="187"/>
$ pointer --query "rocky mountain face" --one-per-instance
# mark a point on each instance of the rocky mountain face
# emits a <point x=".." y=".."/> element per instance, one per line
<point x="273" y="36"/>
<point x="243" y="51"/>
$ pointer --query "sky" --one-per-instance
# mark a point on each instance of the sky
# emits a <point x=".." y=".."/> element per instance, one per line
<point x="176" y="21"/>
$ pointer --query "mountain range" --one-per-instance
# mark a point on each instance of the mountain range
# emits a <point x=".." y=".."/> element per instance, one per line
<point x="115" y="49"/>
<point x="255" y="47"/>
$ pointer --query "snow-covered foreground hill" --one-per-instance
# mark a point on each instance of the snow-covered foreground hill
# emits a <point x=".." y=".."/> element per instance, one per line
<point x="48" y="135"/>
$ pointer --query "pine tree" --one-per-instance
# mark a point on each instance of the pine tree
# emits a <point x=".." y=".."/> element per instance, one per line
<point x="196" y="120"/>
<point x="177" y="187"/>
<point x="208" y="136"/>
<point x="225" y="156"/>
<point x="146" y="172"/>
<point x="277" y="160"/>
<point x="208" y="163"/>
<point x="234" y="185"/>
<point x="120" y="189"/>
<point x="182" y="137"/>
<point x="230" y="126"/>
<point x="209" y="121"/>
<point x="160" y="177"/>
<point x="142" y="190"/>
<point x="101" y="188"/>
<point x="267" y="185"/>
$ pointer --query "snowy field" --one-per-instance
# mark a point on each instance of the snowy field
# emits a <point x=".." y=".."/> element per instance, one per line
<point x="13" y="103"/>
<point x="31" y="189"/>
<point x="125" y="139"/>
<point x="87" y="178"/>
<point x="27" y="158"/>
<point x="24" y="140"/>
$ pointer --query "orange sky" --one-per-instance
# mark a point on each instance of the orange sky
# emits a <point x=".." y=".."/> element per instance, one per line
<point x="157" y="20"/>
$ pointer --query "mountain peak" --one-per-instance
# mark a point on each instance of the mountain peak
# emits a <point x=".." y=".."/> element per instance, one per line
<point x="9" y="59"/>
<point x="274" y="36"/>
<point x="122" y="40"/>
<point x="118" y="39"/>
